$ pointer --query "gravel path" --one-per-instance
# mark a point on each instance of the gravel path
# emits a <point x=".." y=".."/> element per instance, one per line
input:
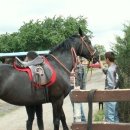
<point x="14" y="117"/>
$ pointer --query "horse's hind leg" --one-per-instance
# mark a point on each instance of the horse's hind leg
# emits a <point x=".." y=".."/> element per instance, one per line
<point x="63" y="120"/>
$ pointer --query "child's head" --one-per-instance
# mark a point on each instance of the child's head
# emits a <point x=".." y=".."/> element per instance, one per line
<point x="110" y="56"/>
<point x="31" y="56"/>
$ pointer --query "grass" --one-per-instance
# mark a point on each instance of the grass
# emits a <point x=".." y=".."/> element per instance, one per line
<point x="99" y="116"/>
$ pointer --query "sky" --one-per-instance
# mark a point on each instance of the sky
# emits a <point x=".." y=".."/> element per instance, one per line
<point x="105" y="17"/>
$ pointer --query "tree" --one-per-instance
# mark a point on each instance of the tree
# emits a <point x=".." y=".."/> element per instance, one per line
<point x="45" y="34"/>
<point x="42" y="35"/>
<point x="101" y="49"/>
<point x="122" y="50"/>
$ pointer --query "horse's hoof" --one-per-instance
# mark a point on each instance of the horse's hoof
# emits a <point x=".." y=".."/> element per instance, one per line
<point x="66" y="128"/>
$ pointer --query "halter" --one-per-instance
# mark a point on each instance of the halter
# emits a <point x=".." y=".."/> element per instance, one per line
<point x="90" y="51"/>
<point x="74" y="56"/>
<point x="88" y="47"/>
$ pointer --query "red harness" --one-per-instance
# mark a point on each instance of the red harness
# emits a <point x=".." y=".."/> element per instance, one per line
<point x="29" y="72"/>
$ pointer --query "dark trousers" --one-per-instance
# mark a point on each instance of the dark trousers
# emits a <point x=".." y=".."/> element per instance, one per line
<point x="31" y="111"/>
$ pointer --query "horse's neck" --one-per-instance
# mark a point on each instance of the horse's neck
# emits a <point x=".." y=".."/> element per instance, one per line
<point x="65" y="58"/>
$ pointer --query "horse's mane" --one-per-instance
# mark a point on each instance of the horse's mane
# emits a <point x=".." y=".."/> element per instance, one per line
<point x="65" y="45"/>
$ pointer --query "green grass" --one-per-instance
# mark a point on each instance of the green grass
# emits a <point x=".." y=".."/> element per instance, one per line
<point x="99" y="116"/>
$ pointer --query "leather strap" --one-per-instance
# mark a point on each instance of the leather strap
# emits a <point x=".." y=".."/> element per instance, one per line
<point x="90" y="106"/>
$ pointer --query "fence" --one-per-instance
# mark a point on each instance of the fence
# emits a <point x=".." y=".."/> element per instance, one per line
<point x="101" y="96"/>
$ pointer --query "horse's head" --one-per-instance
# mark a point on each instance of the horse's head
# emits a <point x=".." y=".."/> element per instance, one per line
<point x="86" y="49"/>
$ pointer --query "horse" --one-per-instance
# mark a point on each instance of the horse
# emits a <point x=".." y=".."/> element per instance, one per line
<point x="16" y="87"/>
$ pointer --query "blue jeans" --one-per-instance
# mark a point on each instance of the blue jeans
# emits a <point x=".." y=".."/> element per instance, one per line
<point x="82" y="113"/>
<point x="111" y="112"/>
<point x="78" y="112"/>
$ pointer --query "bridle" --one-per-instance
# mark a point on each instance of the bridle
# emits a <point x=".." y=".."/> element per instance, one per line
<point x="91" y="51"/>
<point x="74" y="55"/>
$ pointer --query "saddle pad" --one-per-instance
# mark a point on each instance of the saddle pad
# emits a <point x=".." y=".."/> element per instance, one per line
<point x="29" y="72"/>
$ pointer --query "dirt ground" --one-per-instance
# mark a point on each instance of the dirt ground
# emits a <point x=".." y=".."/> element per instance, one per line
<point x="14" y="117"/>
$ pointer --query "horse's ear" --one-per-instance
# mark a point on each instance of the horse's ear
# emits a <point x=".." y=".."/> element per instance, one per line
<point x="80" y="32"/>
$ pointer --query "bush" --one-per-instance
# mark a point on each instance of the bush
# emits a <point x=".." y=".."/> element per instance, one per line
<point x="122" y="49"/>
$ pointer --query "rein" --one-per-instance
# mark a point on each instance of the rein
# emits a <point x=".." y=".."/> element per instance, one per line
<point x="91" y="69"/>
<point x="74" y="56"/>
<point x="74" y="61"/>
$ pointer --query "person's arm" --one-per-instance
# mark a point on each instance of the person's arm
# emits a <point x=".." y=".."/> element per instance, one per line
<point x="101" y="64"/>
<point x="103" y="67"/>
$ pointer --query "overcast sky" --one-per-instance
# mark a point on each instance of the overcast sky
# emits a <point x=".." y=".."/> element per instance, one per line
<point x="105" y="17"/>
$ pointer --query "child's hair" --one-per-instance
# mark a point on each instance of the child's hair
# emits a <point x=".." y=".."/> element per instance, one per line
<point x="32" y="55"/>
<point x="110" y="55"/>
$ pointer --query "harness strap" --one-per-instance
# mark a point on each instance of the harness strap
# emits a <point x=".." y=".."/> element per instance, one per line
<point x="90" y="106"/>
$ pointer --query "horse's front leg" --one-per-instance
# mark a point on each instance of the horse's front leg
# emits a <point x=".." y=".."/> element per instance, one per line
<point x="57" y="105"/>
<point x="58" y="114"/>
<point x="63" y="120"/>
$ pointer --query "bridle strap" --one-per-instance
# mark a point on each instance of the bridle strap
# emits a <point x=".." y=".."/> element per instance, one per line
<point x="88" y="47"/>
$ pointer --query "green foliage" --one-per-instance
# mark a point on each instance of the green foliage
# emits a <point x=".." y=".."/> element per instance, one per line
<point x="122" y="49"/>
<point x="10" y="43"/>
<point x="99" y="116"/>
<point x="101" y="49"/>
<point x="124" y="112"/>
<point x="42" y="35"/>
